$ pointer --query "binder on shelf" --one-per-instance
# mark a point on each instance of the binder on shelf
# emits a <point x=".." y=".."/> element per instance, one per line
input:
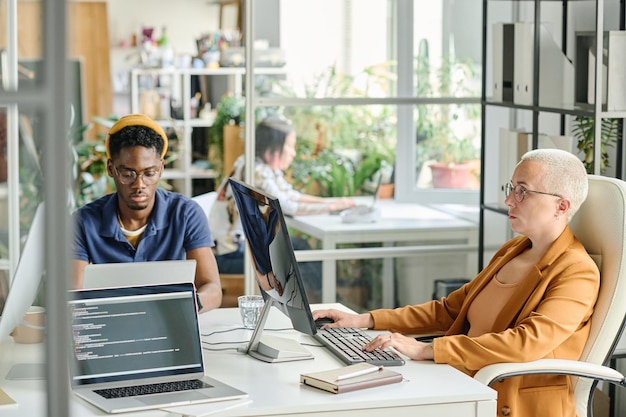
<point x="556" y="71"/>
<point x="613" y="69"/>
<point x="523" y="59"/>
<point x="503" y="65"/>
<point x="556" y="74"/>
<point x="509" y="157"/>
<point x="514" y="144"/>
<point x="616" y="74"/>
<point x="591" y="70"/>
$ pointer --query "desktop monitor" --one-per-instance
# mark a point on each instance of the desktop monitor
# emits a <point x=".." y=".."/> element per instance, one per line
<point x="276" y="272"/>
<point x="28" y="274"/>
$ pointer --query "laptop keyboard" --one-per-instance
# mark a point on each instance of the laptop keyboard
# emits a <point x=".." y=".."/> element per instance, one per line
<point x="347" y="342"/>
<point x="147" y="389"/>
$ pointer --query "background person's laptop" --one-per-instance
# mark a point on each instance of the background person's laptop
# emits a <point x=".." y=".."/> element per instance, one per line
<point x="126" y="274"/>
<point x="131" y="343"/>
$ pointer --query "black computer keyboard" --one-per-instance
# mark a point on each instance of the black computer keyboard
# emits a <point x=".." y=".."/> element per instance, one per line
<point x="147" y="389"/>
<point x="347" y="343"/>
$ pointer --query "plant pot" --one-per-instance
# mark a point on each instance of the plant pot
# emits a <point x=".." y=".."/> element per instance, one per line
<point x="386" y="191"/>
<point x="234" y="146"/>
<point x="452" y="175"/>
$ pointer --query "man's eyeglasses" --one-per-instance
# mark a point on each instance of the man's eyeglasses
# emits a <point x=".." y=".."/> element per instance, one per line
<point x="128" y="176"/>
<point x="519" y="192"/>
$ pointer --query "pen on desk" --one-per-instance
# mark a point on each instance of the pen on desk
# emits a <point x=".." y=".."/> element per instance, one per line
<point x="359" y="373"/>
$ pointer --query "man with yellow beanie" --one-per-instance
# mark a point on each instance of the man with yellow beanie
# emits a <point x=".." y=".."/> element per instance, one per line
<point x="141" y="222"/>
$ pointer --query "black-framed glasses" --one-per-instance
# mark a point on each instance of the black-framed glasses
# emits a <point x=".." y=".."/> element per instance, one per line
<point x="129" y="176"/>
<point x="519" y="192"/>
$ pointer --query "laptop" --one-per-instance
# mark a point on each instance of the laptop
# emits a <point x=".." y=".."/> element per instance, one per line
<point x="364" y="213"/>
<point x="125" y="274"/>
<point x="139" y="348"/>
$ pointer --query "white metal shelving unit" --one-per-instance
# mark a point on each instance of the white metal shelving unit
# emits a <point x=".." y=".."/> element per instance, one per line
<point x="597" y="111"/>
<point x="180" y="78"/>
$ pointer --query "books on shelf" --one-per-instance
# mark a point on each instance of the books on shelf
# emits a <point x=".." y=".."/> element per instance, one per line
<point x="351" y="378"/>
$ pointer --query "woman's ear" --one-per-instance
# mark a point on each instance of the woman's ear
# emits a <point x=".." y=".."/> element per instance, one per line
<point x="563" y="206"/>
<point x="271" y="158"/>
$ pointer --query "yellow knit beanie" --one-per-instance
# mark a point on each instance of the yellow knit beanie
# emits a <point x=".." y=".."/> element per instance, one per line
<point x="136" y="120"/>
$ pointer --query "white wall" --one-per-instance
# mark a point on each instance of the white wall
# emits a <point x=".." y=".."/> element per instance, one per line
<point x="185" y="20"/>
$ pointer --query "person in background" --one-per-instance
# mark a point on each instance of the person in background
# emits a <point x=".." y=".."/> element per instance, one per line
<point x="533" y="300"/>
<point x="141" y="222"/>
<point x="275" y="150"/>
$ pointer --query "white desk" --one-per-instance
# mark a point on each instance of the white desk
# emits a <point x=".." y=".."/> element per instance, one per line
<point x="430" y="390"/>
<point x="400" y="222"/>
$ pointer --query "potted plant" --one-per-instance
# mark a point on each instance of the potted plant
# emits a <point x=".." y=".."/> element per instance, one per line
<point x="340" y="148"/>
<point x="584" y="132"/>
<point x="447" y="138"/>
<point x="458" y="167"/>
<point x="227" y="127"/>
<point x="335" y="174"/>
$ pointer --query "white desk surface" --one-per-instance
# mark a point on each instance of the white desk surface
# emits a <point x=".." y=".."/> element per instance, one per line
<point x="274" y="389"/>
<point x="400" y="222"/>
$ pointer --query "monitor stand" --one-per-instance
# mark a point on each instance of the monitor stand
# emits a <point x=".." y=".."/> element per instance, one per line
<point x="272" y="348"/>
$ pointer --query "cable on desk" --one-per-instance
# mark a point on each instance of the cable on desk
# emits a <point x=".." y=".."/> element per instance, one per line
<point x="235" y="348"/>
<point x="242" y="328"/>
<point x="204" y="342"/>
<point x="224" y="342"/>
<point x="221" y="331"/>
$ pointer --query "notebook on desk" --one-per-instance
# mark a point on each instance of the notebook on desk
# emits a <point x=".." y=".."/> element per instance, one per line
<point x="137" y="348"/>
<point x="125" y="274"/>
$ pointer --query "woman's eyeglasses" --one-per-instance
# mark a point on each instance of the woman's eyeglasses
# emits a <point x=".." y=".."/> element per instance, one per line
<point x="519" y="192"/>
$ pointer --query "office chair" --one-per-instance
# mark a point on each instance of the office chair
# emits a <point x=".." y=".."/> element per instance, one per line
<point x="232" y="284"/>
<point x="600" y="225"/>
<point x="206" y="201"/>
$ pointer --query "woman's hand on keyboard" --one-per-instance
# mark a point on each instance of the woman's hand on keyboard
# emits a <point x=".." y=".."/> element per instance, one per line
<point x="408" y="346"/>
<point x="343" y="319"/>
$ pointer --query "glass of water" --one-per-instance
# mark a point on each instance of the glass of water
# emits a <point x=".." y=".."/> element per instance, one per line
<point x="250" y="308"/>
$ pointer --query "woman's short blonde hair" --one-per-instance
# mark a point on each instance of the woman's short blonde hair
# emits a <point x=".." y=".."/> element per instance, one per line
<point x="563" y="174"/>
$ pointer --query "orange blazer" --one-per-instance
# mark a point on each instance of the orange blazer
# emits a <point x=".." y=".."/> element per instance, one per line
<point x="547" y="317"/>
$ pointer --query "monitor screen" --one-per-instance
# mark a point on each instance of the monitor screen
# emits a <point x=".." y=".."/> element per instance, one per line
<point x="274" y="263"/>
<point x="28" y="274"/>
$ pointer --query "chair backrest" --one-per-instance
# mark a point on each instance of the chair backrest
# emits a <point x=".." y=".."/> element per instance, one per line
<point x="600" y="225"/>
<point x="206" y="201"/>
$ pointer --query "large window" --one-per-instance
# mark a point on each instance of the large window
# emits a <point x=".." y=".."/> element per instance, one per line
<point x="378" y="75"/>
<point x="377" y="90"/>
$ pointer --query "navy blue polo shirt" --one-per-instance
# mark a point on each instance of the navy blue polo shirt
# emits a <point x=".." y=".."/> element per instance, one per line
<point x="177" y="225"/>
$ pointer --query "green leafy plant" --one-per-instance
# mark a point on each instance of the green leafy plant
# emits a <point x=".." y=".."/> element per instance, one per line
<point x="334" y="174"/>
<point x="340" y="147"/>
<point x="230" y="110"/>
<point x="584" y="132"/>
<point x="437" y="135"/>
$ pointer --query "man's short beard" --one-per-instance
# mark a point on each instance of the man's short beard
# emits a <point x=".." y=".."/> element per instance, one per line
<point x="138" y="208"/>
